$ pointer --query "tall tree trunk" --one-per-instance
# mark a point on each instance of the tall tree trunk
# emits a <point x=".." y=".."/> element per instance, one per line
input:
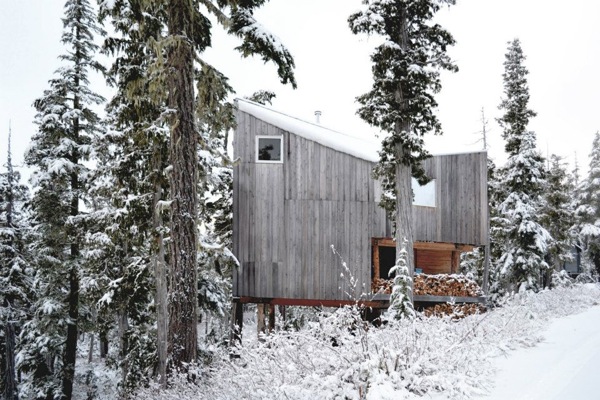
<point x="160" y="273"/>
<point x="9" y="379"/>
<point x="70" y="353"/>
<point x="183" y="297"/>
<point x="10" y="376"/>
<point x="404" y="197"/>
<point x="122" y="328"/>
<point x="404" y="220"/>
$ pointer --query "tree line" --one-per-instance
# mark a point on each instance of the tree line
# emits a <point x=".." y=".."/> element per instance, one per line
<point x="126" y="230"/>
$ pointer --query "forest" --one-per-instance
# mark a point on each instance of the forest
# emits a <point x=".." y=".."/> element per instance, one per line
<point x="115" y="261"/>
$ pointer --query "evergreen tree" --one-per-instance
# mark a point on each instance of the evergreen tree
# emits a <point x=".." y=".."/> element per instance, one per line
<point x="558" y="215"/>
<point x="406" y="72"/>
<point x="172" y="77"/>
<point x="58" y="153"/>
<point x="15" y="273"/>
<point x="215" y="120"/>
<point x="134" y="152"/>
<point x="401" y="305"/>
<point x="524" y="240"/>
<point x="588" y="211"/>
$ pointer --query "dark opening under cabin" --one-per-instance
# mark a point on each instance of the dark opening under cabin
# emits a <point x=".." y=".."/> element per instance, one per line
<point x="307" y="225"/>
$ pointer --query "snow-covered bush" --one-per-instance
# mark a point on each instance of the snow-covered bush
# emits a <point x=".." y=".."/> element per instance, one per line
<point x="340" y="357"/>
<point x="561" y="279"/>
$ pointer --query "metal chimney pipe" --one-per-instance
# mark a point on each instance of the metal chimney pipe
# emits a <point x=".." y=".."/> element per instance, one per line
<point x="318" y="116"/>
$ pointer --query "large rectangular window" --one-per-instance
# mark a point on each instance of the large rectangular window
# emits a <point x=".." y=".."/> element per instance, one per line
<point x="269" y="149"/>
<point x="424" y="195"/>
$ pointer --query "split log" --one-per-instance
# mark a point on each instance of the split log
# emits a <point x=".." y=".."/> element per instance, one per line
<point x="434" y="285"/>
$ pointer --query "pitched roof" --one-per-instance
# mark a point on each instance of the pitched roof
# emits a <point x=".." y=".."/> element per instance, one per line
<point x="357" y="147"/>
<point x="352" y="145"/>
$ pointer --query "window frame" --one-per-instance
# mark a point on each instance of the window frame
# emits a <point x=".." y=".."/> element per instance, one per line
<point x="256" y="147"/>
<point x="415" y="185"/>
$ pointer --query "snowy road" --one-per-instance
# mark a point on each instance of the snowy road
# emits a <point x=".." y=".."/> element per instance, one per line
<point x="566" y="365"/>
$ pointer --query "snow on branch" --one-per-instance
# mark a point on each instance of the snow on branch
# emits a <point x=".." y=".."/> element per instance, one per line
<point x="257" y="40"/>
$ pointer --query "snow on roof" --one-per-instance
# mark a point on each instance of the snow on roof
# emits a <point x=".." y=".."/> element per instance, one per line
<point x="342" y="142"/>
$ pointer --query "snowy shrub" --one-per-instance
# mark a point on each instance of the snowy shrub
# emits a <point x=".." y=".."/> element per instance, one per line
<point x="585" y="278"/>
<point x="341" y="357"/>
<point x="297" y="318"/>
<point x="561" y="279"/>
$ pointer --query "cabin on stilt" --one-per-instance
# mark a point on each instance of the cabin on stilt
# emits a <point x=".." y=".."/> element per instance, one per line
<point x="307" y="225"/>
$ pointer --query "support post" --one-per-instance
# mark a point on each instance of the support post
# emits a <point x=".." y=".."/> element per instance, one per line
<point x="272" y="317"/>
<point x="260" y="319"/>
<point x="237" y="323"/>
<point x="455" y="263"/>
<point x="486" y="269"/>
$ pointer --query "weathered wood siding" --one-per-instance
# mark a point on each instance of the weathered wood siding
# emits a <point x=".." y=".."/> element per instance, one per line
<point x="288" y="216"/>
<point x="460" y="214"/>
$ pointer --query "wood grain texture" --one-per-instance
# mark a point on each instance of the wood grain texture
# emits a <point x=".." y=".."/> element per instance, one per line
<point x="287" y="216"/>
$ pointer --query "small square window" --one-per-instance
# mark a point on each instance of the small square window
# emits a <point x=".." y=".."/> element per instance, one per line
<point x="269" y="149"/>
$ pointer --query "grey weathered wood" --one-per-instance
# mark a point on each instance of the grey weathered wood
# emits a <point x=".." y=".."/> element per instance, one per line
<point x="286" y="216"/>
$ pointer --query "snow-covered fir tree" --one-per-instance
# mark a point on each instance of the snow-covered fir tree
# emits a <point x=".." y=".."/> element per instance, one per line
<point x="58" y="154"/>
<point x="401" y="305"/>
<point x="134" y="185"/>
<point x="189" y="34"/>
<point x="558" y="216"/>
<point x="588" y="210"/>
<point x="524" y="240"/>
<point x="185" y="32"/>
<point x="15" y="274"/>
<point x="215" y="120"/>
<point x="406" y="74"/>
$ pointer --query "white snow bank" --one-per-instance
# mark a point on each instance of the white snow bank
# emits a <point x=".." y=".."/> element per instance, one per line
<point x="563" y="366"/>
<point x="357" y="147"/>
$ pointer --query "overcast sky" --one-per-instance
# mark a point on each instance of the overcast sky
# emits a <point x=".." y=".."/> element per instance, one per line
<point x="560" y="39"/>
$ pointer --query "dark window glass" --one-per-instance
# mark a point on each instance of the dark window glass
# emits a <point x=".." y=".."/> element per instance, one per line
<point x="387" y="259"/>
<point x="269" y="149"/>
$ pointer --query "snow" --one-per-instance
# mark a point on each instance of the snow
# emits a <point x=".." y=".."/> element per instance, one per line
<point x="335" y="356"/>
<point x="355" y="146"/>
<point x="344" y="143"/>
<point x="563" y="366"/>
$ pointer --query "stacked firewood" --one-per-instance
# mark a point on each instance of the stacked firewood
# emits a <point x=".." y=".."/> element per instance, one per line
<point x="446" y="285"/>
<point x="379" y="285"/>
<point x="456" y="311"/>
<point x="434" y="285"/>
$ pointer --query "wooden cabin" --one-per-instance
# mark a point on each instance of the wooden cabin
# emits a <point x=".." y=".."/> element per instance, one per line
<point x="307" y="225"/>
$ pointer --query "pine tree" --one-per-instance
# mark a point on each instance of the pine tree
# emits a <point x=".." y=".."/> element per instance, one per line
<point x="172" y="77"/>
<point x="15" y="273"/>
<point x="522" y="263"/>
<point x="406" y="72"/>
<point x="401" y="305"/>
<point x="58" y="154"/>
<point x="134" y="152"/>
<point x="588" y="211"/>
<point x="558" y="215"/>
<point x="215" y="120"/>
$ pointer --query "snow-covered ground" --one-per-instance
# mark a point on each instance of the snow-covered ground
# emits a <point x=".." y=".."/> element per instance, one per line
<point x="565" y="365"/>
<point x="537" y="346"/>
